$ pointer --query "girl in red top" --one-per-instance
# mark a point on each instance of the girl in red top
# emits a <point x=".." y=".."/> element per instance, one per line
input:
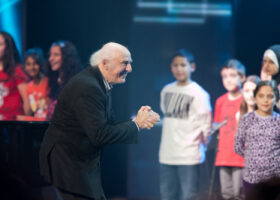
<point x="13" y="97"/>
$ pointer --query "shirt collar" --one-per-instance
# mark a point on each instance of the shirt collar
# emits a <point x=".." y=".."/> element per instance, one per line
<point x="108" y="86"/>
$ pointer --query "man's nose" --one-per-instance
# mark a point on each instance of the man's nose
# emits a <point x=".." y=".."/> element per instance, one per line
<point x="128" y="68"/>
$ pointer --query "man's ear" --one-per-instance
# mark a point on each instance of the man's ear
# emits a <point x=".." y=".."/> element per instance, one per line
<point x="105" y="64"/>
<point x="193" y="67"/>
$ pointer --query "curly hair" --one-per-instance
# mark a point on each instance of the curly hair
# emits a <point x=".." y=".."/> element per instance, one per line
<point x="38" y="56"/>
<point x="11" y="55"/>
<point x="70" y="66"/>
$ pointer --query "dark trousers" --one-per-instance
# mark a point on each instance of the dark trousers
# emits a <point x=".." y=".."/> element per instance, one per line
<point x="72" y="196"/>
<point x="247" y="188"/>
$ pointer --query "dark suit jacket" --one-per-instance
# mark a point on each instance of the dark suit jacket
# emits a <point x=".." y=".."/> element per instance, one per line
<point x="81" y="126"/>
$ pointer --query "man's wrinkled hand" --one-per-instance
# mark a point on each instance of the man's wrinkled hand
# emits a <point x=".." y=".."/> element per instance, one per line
<point x="146" y="118"/>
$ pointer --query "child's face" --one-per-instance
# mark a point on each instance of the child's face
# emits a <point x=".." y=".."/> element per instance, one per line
<point x="248" y="93"/>
<point x="231" y="79"/>
<point x="181" y="69"/>
<point x="31" y="67"/>
<point x="265" y="100"/>
<point x="269" y="67"/>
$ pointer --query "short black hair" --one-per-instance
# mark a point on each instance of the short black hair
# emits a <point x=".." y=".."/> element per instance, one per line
<point x="237" y="65"/>
<point x="184" y="53"/>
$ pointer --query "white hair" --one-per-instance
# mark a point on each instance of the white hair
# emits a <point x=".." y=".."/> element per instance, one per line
<point x="95" y="59"/>
<point x="106" y="52"/>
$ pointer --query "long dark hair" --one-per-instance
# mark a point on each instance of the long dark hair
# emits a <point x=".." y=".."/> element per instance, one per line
<point x="11" y="54"/>
<point x="70" y="66"/>
<point x="272" y="84"/>
<point x="244" y="107"/>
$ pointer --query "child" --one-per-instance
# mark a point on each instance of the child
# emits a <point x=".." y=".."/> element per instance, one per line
<point x="226" y="108"/>
<point x="37" y="88"/>
<point x="248" y="102"/>
<point x="186" y="125"/>
<point x="258" y="137"/>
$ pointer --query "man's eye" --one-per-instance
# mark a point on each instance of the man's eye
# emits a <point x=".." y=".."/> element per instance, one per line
<point x="125" y="63"/>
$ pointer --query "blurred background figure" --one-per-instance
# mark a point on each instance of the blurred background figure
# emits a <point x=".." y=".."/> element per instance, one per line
<point x="185" y="133"/>
<point x="248" y="102"/>
<point x="37" y="88"/>
<point x="63" y="64"/>
<point x="270" y="64"/>
<point x="13" y="96"/>
<point x="270" y="67"/>
<point x="226" y="109"/>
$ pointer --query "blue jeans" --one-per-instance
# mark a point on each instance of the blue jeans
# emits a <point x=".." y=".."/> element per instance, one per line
<point x="179" y="182"/>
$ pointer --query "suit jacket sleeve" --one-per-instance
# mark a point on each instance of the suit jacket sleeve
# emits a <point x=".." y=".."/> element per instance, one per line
<point x="90" y="109"/>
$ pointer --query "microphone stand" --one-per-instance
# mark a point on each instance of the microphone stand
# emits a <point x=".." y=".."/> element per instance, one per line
<point x="215" y="129"/>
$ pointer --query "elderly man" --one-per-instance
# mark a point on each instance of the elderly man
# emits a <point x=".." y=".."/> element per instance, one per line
<point x="82" y="125"/>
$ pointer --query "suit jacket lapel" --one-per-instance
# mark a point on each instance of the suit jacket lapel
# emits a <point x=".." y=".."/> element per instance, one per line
<point x="97" y="74"/>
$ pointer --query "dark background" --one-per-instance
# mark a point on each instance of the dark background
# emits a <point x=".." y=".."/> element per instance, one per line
<point x="132" y="170"/>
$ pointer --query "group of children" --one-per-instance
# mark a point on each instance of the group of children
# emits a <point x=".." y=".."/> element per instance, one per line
<point x="249" y="142"/>
<point x="29" y="89"/>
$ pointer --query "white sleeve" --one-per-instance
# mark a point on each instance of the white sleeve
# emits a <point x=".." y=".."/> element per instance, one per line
<point x="162" y="107"/>
<point x="203" y="116"/>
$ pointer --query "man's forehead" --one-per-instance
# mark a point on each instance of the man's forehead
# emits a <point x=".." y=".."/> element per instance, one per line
<point x="127" y="57"/>
<point x="123" y="54"/>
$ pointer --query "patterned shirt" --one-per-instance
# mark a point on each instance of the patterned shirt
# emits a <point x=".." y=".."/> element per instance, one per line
<point x="258" y="140"/>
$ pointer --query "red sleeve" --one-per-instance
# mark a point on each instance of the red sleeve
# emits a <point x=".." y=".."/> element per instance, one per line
<point x="217" y="111"/>
<point x="20" y="76"/>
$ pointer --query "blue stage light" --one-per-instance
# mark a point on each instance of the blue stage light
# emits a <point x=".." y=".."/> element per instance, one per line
<point x="9" y="17"/>
<point x="182" y="12"/>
